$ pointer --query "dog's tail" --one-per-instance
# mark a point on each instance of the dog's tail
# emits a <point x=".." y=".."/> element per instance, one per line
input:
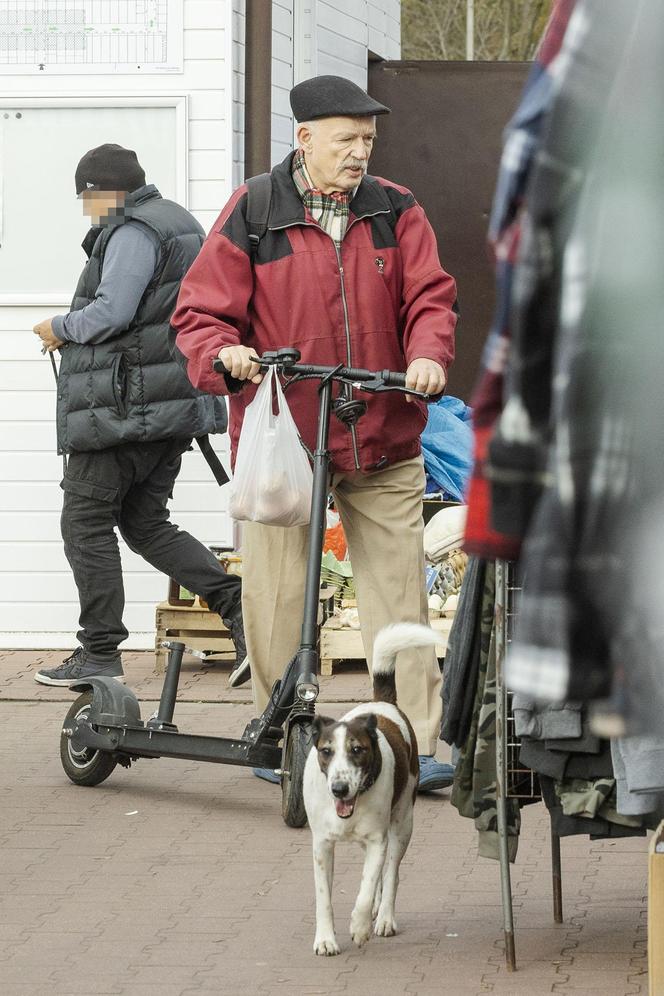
<point x="388" y="643"/>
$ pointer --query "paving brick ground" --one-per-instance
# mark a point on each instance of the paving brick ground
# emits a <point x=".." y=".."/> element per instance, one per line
<point x="177" y="878"/>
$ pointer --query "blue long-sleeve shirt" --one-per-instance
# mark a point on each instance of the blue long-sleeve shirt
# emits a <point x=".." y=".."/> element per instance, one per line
<point x="130" y="260"/>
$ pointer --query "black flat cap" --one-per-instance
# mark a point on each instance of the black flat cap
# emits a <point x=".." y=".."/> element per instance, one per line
<point x="109" y="167"/>
<point x="332" y="97"/>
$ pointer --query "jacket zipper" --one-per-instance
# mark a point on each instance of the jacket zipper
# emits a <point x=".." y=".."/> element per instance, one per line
<point x="344" y="301"/>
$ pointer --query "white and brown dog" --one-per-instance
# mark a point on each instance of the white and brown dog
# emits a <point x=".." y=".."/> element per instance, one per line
<point x="360" y="783"/>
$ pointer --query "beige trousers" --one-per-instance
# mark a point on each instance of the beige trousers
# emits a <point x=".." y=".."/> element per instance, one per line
<point x="381" y="514"/>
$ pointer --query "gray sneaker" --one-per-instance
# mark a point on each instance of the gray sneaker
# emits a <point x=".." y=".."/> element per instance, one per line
<point x="77" y="667"/>
<point x="241" y="672"/>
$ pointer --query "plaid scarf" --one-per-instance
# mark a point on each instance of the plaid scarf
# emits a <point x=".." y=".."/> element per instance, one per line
<point x="330" y="211"/>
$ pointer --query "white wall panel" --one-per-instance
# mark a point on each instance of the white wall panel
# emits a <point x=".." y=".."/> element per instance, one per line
<point x="38" y="605"/>
<point x="207" y="14"/>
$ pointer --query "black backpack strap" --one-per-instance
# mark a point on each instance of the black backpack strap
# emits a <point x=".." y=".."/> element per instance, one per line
<point x="213" y="461"/>
<point x="259" y="198"/>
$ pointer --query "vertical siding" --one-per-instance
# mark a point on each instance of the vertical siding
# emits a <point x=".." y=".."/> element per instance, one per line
<point x="282" y="78"/>
<point x="238" y="92"/>
<point x="282" y="82"/>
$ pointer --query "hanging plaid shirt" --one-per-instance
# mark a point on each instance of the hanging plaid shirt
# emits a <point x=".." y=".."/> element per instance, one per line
<point x="330" y="211"/>
<point x="523" y="138"/>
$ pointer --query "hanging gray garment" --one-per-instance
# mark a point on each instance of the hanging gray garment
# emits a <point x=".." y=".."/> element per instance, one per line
<point x="638" y="764"/>
<point x="546" y="721"/>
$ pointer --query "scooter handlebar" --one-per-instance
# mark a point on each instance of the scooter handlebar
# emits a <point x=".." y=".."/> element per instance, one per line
<point x="393" y="379"/>
<point x="390" y="378"/>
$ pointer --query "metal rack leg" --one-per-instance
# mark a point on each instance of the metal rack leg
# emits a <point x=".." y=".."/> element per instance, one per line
<point x="500" y="643"/>
<point x="557" y="878"/>
<point x="506" y="887"/>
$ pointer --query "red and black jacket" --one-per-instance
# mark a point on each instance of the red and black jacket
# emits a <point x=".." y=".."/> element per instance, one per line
<point x="379" y="301"/>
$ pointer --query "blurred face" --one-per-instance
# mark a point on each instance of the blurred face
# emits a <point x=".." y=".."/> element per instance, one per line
<point x="99" y="205"/>
<point x="337" y="150"/>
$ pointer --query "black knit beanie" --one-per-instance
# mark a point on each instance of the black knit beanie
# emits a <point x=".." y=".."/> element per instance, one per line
<point x="109" y="167"/>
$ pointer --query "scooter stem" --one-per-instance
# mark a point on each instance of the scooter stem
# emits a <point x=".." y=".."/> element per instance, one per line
<point x="317" y="520"/>
<point x="164" y="717"/>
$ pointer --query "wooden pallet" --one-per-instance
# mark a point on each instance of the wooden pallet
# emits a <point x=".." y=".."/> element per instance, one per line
<point x="203" y="630"/>
<point x="346" y="644"/>
<point x="199" y="628"/>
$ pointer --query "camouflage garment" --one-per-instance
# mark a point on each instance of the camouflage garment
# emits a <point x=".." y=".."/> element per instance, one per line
<point x="474" y="791"/>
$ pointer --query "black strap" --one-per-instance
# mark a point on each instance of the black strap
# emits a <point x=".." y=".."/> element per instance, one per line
<point x="259" y="197"/>
<point x="213" y="461"/>
<point x="57" y="385"/>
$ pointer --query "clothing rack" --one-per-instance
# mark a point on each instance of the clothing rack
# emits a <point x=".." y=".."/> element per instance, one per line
<point x="513" y="780"/>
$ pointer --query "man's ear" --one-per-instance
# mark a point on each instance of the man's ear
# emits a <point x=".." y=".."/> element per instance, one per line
<point x="303" y="135"/>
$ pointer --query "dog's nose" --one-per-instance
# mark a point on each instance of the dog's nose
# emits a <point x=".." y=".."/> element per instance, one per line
<point x="339" y="789"/>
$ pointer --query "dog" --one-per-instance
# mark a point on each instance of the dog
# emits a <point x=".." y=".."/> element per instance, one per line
<point x="360" y="784"/>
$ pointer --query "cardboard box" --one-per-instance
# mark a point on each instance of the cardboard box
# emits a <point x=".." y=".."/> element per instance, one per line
<point x="656" y="913"/>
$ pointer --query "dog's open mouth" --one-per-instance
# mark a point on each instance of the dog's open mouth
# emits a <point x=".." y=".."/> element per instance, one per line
<point x="345" y="807"/>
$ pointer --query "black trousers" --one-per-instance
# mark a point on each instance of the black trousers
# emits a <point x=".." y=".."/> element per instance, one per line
<point x="128" y="487"/>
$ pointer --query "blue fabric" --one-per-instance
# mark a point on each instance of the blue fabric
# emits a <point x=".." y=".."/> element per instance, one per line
<point x="447" y="446"/>
<point x="432" y="489"/>
<point x="268" y="775"/>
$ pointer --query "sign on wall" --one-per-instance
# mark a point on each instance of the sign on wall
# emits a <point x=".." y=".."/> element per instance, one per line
<point x="90" y="36"/>
<point x="41" y="141"/>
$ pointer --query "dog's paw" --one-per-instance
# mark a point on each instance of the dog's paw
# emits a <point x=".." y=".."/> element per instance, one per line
<point x="360" y="929"/>
<point x="326" y="946"/>
<point x="385" y="926"/>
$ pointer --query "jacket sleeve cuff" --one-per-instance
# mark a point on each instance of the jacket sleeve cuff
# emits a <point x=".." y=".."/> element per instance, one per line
<point x="58" y="326"/>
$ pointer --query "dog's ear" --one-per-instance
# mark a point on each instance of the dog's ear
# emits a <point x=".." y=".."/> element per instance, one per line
<point x="371" y="724"/>
<point x="319" y="724"/>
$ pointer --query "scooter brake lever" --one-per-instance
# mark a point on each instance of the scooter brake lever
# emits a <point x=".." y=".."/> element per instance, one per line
<point x="379" y="386"/>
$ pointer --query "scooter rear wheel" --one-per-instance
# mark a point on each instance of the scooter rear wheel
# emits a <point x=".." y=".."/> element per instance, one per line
<point x="300" y="741"/>
<point x="86" y="766"/>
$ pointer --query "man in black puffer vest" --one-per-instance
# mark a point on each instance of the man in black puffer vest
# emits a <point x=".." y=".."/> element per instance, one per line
<point x="126" y="411"/>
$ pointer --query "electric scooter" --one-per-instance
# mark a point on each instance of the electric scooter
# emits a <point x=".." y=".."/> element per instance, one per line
<point x="103" y="727"/>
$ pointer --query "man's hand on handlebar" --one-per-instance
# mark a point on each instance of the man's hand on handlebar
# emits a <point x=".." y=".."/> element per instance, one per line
<point x="426" y="376"/>
<point x="237" y="361"/>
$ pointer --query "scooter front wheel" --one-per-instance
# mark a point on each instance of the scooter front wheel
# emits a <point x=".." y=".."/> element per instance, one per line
<point x="300" y="742"/>
<point x="85" y="766"/>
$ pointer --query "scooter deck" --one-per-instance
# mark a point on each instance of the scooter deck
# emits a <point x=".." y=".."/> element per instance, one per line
<point x="136" y="742"/>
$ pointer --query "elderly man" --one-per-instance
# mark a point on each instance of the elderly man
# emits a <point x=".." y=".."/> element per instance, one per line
<point x="126" y="411"/>
<point x="348" y="272"/>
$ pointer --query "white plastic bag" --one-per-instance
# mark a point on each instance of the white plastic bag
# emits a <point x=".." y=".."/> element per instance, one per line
<point x="272" y="480"/>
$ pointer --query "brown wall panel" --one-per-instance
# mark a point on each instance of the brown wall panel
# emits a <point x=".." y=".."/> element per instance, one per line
<point x="443" y="140"/>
